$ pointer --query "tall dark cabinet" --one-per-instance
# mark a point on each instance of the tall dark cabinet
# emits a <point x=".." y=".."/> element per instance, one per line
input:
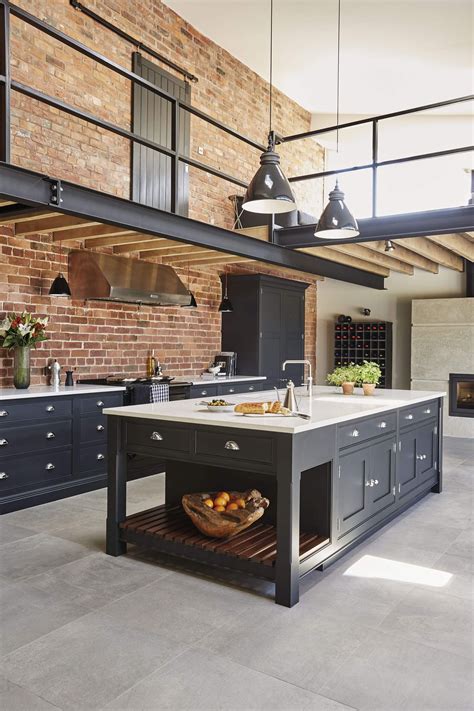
<point x="266" y="326"/>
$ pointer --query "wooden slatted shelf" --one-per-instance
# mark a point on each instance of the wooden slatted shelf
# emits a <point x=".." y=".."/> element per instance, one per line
<point x="256" y="544"/>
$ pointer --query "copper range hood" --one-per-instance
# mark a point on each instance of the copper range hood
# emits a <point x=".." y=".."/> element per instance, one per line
<point x="105" y="277"/>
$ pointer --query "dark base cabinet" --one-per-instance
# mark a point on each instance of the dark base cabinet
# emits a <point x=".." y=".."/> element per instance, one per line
<point x="329" y="488"/>
<point x="52" y="447"/>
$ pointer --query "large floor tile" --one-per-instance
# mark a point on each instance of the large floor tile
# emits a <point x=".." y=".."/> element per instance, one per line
<point x="10" y="532"/>
<point x="15" y="698"/>
<point x="57" y="514"/>
<point x="463" y="545"/>
<point x="37" y="554"/>
<point x="417" y="533"/>
<point x="200" y="681"/>
<point x="389" y="673"/>
<point x="433" y="619"/>
<point x="87" y="663"/>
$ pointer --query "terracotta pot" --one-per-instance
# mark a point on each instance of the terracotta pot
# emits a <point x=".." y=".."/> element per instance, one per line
<point x="347" y="388"/>
<point x="369" y="388"/>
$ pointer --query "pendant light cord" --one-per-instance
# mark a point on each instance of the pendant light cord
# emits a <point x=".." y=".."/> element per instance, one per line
<point x="338" y="71"/>
<point x="271" y="66"/>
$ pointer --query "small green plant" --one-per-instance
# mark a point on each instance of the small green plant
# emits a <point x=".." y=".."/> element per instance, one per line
<point x="368" y="372"/>
<point x="343" y="374"/>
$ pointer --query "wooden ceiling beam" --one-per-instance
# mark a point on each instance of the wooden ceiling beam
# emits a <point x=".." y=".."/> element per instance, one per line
<point x="46" y="225"/>
<point x="144" y="244"/>
<point x="122" y="239"/>
<point x="457" y="244"/>
<point x="384" y="259"/>
<point x="356" y="262"/>
<point x="433" y="251"/>
<point x="97" y="230"/>
<point x="178" y="251"/>
<point x="206" y="260"/>
<point x="19" y="216"/>
<point x="405" y="255"/>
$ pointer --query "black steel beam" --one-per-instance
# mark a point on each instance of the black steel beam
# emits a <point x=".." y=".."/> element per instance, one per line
<point x="469" y="278"/>
<point x="34" y="189"/>
<point x="5" y="82"/>
<point x="412" y="224"/>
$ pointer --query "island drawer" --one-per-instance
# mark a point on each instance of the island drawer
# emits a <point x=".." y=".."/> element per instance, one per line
<point x="158" y="436"/>
<point x="418" y="413"/>
<point x="232" y="388"/>
<point x="366" y="429"/>
<point x="92" y="458"/>
<point x="203" y="391"/>
<point x="93" y="428"/>
<point x="42" y="408"/>
<point x="231" y="446"/>
<point x="96" y="402"/>
<point x="30" y="438"/>
<point x="33" y="471"/>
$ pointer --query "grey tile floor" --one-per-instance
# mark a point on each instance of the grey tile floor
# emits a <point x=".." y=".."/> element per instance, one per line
<point x="387" y="628"/>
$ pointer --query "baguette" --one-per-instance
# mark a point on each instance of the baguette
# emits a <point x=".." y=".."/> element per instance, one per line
<point x="252" y="408"/>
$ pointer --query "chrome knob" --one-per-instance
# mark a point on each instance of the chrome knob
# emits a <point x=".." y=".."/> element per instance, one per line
<point x="408" y="417"/>
<point x="100" y="428"/>
<point x="424" y="456"/>
<point x="203" y="392"/>
<point x="382" y="425"/>
<point x="251" y="387"/>
<point x="99" y="403"/>
<point x="50" y="408"/>
<point x="376" y="481"/>
<point x="355" y="433"/>
<point x="50" y="435"/>
<point x="427" y="411"/>
<point x="3" y="475"/>
<point x="50" y="466"/>
<point x="156" y="437"/>
<point x="3" y="442"/>
<point x="3" y="413"/>
<point x="231" y="390"/>
<point x="232" y="445"/>
<point x="100" y="456"/>
<point x="367" y="483"/>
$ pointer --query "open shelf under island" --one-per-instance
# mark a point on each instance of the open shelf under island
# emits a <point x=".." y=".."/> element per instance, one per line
<point x="331" y="480"/>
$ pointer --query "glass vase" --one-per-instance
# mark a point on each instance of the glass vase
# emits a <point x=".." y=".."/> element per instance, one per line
<point x="21" y="367"/>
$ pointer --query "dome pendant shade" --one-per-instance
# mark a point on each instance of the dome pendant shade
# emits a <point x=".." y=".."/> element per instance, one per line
<point x="336" y="221"/>
<point x="269" y="192"/>
<point x="192" y="304"/>
<point x="225" y="307"/>
<point x="60" y="287"/>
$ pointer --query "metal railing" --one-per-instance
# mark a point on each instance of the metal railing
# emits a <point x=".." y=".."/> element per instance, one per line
<point x="7" y="85"/>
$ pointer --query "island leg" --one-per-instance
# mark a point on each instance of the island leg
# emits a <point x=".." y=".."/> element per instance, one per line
<point x="116" y="487"/>
<point x="287" y="581"/>
<point x="438" y="488"/>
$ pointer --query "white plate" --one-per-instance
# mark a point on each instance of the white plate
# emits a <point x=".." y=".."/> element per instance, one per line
<point x="221" y="408"/>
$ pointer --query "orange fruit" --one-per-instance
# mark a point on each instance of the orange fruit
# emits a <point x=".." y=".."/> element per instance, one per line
<point x="224" y="495"/>
<point x="220" y="501"/>
<point x="240" y="503"/>
<point x="231" y="507"/>
<point x="219" y="508"/>
<point x="208" y="502"/>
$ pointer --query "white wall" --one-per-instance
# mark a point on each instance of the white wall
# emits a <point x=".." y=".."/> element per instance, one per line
<point x="393" y="304"/>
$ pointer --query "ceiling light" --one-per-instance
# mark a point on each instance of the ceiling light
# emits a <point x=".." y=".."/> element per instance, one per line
<point x="337" y="221"/>
<point x="225" y="307"/>
<point x="389" y="246"/>
<point x="269" y="191"/>
<point x="60" y="287"/>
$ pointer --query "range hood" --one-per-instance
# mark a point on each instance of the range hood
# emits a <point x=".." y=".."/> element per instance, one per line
<point x="108" y="278"/>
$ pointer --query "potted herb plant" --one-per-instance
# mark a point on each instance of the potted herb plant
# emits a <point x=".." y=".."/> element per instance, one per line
<point x="345" y="376"/>
<point x="21" y="333"/>
<point x="368" y="374"/>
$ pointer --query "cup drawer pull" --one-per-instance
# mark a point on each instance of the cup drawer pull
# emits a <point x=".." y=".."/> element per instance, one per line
<point x="409" y="417"/>
<point x="3" y="442"/>
<point x="50" y="435"/>
<point x="156" y="437"/>
<point x="50" y="408"/>
<point x="230" y="444"/>
<point x="427" y="411"/>
<point x="203" y="392"/>
<point x="100" y="428"/>
<point x="3" y="413"/>
<point x="100" y="456"/>
<point x="354" y="433"/>
<point x="50" y="466"/>
<point x="251" y="387"/>
<point x="3" y="475"/>
<point x="99" y="403"/>
<point x="382" y="425"/>
<point x="231" y="390"/>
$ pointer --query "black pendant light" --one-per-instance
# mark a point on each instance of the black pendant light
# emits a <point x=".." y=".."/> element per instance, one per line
<point x="225" y="307"/>
<point x="337" y="221"/>
<point x="193" y="303"/>
<point x="60" y="287"/>
<point x="269" y="192"/>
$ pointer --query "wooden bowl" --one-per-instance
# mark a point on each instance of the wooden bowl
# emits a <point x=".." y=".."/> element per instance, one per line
<point x="224" y="524"/>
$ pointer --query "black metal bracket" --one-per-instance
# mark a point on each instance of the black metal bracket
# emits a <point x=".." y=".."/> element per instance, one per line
<point x="56" y="191"/>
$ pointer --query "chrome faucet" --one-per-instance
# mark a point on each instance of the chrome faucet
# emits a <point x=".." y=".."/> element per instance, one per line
<point x="309" y="382"/>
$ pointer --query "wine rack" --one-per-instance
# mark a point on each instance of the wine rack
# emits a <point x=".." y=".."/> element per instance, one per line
<point x="357" y="341"/>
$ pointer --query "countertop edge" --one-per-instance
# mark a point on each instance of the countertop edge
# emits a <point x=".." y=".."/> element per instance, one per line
<point x="48" y="391"/>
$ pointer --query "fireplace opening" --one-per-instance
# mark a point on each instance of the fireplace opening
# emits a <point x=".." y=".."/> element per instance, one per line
<point x="461" y="394"/>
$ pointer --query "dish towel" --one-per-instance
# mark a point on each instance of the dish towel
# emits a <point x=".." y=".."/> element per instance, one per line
<point x="159" y="392"/>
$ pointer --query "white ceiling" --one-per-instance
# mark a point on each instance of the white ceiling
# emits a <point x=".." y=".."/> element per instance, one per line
<point x="395" y="53"/>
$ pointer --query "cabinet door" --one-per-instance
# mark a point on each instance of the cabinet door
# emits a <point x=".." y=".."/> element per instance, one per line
<point x="292" y="333"/>
<point x="270" y="334"/>
<point x="426" y="453"/>
<point x="416" y="461"/>
<point x="381" y="481"/>
<point x="406" y="471"/>
<point x="354" y="471"/>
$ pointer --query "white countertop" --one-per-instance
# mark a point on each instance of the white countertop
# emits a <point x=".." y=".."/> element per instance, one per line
<point x="329" y="407"/>
<point x="223" y="379"/>
<point x="48" y="391"/>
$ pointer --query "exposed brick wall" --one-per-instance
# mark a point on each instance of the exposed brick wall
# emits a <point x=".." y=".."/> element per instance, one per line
<point x="100" y="339"/>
